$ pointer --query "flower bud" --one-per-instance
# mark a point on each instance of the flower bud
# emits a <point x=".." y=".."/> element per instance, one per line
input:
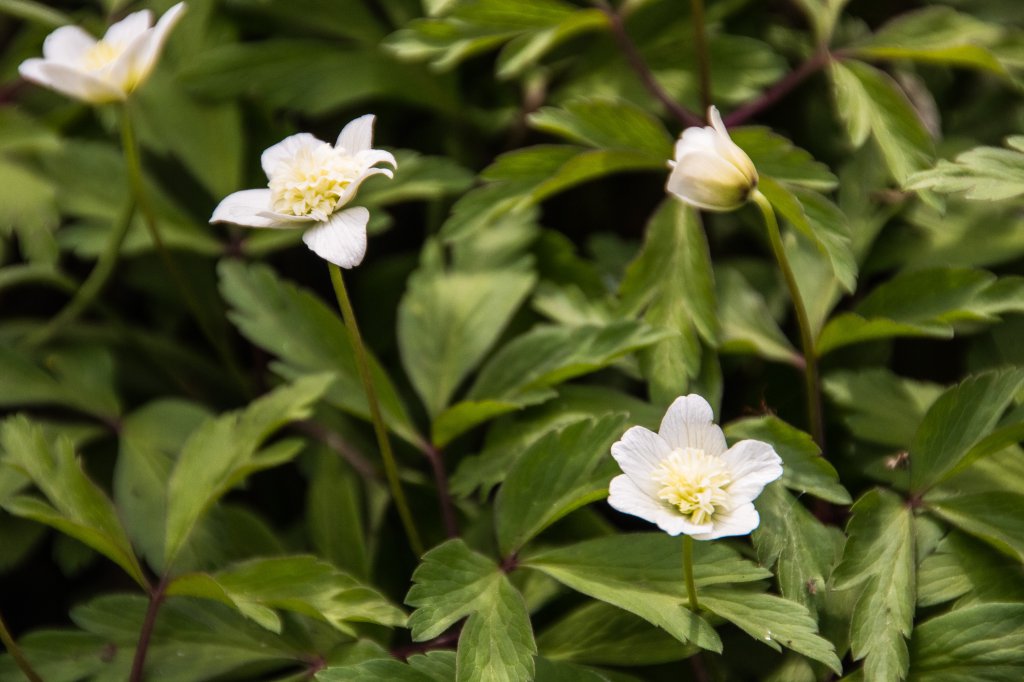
<point x="710" y="171"/>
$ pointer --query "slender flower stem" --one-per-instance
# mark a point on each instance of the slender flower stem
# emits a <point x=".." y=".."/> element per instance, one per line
<point x="156" y="600"/>
<point x="637" y="63"/>
<point x="94" y="283"/>
<point x="783" y="87"/>
<point x="814" y="411"/>
<point x="135" y="177"/>
<point x="700" y="44"/>
<point x="383" y="441"/>
<point x="16" y="653"/>
<point x="691" y="587"/>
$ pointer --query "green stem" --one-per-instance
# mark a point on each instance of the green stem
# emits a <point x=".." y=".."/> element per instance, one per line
<point x="383" y="441"/>
<point x="16" y="653"/>
<point x="135" y="176"/>
<point x="700" y="44"/>
<point x="691" y="587"/>
<point x="814" y="411"/>
<point x="94" y="283"/>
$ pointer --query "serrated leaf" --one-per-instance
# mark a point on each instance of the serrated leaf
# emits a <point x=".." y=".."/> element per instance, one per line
<point x="74" y="504"/>
<point x="880" y="406"/>
<point x="671" y="283"/>
<point x="448" y="321"/>
<point x="453" y="582"/>
<point x="641" y="574"/>
<point x="606" y="124"/>
<point x="560" y="472"/>
<point x="977" y="643"/>
<point x="80" y="377"/>
<point x="804" y="469"/>
<point x="992" y="516"/>
<point x="309" y="338"/>
<point x="773" y="621"/>
<point x="776" y="157"/>
<point x="870" y="103"/>
<point x="335" y="516"/>
<point x="959" y="419"/>
<point x="982" y="173"/>
<point x="600" y="634"/>
<point x="964" y="569"/>
<point x="935" y="35"/>
<point x="879" y="559"/>
<point x="303" y="584"/>
<point x="747" y="326"/>
<point x="223" y="451"/>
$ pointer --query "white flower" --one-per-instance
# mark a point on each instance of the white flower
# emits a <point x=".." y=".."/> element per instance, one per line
<point x="309" y="181"/>
<point x="685" y="480"/>
<point x="710" y="171"/>
<point x="107" y="70"/>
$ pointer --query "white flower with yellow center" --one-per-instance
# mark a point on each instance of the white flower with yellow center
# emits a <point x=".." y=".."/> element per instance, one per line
<point x="710" y="171"/>
<point x="685" y="479"/>
<point x="99" y="71"/>
<point x="309" y="182"/>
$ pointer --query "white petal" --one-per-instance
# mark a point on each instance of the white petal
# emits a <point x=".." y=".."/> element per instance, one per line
<point x="341" y="240"/>
<point x="353" y="187"/>
<point x="739" y="521"/>
<point x="357" y="136"/>
<point x="639" y="453"/>
<point x="708" y="181"/>
<point x="371" y="157"/>
<point x="695" y="140"/>
<point x="689" y="423"/>
<point x="69" y="81"/>
<point x="68" y="45"/>
<point x="144" y="55"/>
<point x="129" y="28"/>
<point x="250" y="207"/>
<point x="753" y="465"/>
<point x="626" y="497"/>
<point x="716" y="121"/>
<point x="286" y="149"/>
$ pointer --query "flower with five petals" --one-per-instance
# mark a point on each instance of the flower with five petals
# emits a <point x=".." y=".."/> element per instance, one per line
<point x="107" y="70"/>
<point x="310" y="182"/>
<point x="684" y="479"/>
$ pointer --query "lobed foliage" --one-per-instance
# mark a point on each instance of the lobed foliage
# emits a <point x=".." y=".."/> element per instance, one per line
<point x="188" y="454"/>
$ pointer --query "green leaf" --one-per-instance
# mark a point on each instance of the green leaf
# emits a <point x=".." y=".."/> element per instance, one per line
<point x="923" y="302"/>
<point x="150" y="438"/>
<point x="773" y="621"/>
<point x="747" y="326"/>
<point x="453" y="582"/>
<point x="80" y="377"/>
<point x="871" y="103"/>
<point x="640" y="573"/>
<point x="959" y="419"/>
<point x="935" y="35"/>
<point x="992" y="516"/>
<point x="983" y="642"/>
<point x="804" y="469"/>
<point x="606" y="124"/>
<point x="965" y="569"/>
<point x="74" y="504"/>
<point x="823" y="15"/>
<point x="776" y="157"/>
<point x="559" y="473"/>
<point x="303" y="584"/>
<point x="818" y="219"/>
<point x="390" y="669"/>
<point x="225" y="450"/>
<point x="335" y="516"/>
<point x="422" y="178"/>
<point x="879" y="559"/>
<point x="525" y="51"/>
<point x="982" y="173"/>
<point x="671" y="283"/>
<point x="448" y="321"/>
<point x="879" y="406"/>
<point x="600" y="634"/>
<point x="309" y="338"/>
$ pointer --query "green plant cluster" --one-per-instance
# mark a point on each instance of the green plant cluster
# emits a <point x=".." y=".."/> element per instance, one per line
<point x="190" y="487"/>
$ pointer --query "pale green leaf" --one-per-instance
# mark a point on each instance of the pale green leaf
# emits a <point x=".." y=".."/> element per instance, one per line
<point x="747" y="325"/>
<point x="982" y="173"/>
<point x="879" y="406"/>
<point x="606" y="124"/>
<point x="992" y="516"/>
<point x="983" y="643"/>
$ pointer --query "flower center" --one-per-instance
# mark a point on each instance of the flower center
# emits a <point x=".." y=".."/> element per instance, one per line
<point x="694" y="482"/>
<point x="312" y="183"/>
<point x="101" y="55"/>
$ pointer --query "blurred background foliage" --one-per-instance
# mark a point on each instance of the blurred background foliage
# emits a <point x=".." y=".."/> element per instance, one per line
<point x="526" y="281"/>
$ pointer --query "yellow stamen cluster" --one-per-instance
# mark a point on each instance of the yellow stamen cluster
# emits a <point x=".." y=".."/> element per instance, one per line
<point x="694" y="482"/>
<point x="311" y="183"/>
<point x="101" y="55"/>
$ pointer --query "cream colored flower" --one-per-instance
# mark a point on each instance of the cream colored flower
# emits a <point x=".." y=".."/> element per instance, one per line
<point x="710" y="171"/>
<point x="685" y="479"/>
<point x="107" y="70"/>
<point x="309" y="181"/>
